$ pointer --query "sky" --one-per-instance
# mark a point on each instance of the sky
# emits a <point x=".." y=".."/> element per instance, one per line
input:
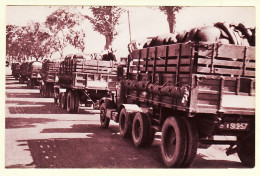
<point x="145" y="22"/>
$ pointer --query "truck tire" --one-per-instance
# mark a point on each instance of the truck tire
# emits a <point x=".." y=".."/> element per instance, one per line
<point x="246" y="152"/>
<point x="140" y="129"/>
<point x="21" y="80"/>
<point x="76" y="102"/>
<point x="173" y="142"/>
<point x="70" y="102"/>
<point x="124" y="124"/>
<point x="32" y="84"/>
<point x="192" y="142"/>
<point x="63" y="101"/>
<point x="104" y="121"/>
<point x="28" y="83"/>
<point x="48" y="91"/>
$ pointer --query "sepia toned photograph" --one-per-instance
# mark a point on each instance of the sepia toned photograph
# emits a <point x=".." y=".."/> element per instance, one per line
<point x="130" y="87"/>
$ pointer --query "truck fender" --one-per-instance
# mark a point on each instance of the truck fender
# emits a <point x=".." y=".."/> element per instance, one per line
<point x="132" y="109"/>
<point x="108" y="102"/>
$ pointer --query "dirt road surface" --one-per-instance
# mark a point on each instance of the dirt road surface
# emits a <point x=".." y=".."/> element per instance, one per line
<point x="39" y="134"/>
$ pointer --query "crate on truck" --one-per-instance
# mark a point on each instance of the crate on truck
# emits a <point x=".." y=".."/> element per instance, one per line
<point x="49" y="75"/>
<point x="191" y="92"/>
<point x="15" y="70"/>
<point x="84" y="81"/>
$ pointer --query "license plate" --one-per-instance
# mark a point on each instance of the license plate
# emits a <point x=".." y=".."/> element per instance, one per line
<point x="242" y="126"/>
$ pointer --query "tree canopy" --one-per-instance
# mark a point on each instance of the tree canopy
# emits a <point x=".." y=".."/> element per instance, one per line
<point x="170" y="12"/>
<point x="104" y="20"/>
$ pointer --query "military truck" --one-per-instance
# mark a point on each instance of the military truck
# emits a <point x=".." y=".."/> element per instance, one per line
<point x="190" y="92"/>
<point x="15" y="70"/>
<point x="34" y="74"/>
<point x="83" y="81"/>
<point x="24" y="72"/>
<point x="49" y="76"/>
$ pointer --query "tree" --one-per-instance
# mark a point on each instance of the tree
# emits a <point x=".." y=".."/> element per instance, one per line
<point x="104" y="20"/>
<point x="170" y="11"/>
<point x="36" y="38"/>
<point x="64" y="27"/>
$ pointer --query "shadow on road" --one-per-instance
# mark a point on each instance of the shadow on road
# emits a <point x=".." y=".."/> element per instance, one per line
<point x="25" y="122"/>
<point x="23" y="95"/>
<point x="104" y="148"/>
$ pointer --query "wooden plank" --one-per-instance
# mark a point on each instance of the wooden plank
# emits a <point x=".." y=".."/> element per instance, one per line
<point x="201" y="69"/>
<point x="184" y="80"/>
<point x="151" y="53"/>
<point x="230" y="51"/>
<point x="172" y="61"/>
<point x="228" y="71"/>
<point x="209" y="81"/>
<point x="183" y="75"/>
<point x="186" y="49"/>
<point x="174" y="50"/>
<point x="161" y="51"/>
<point x="250" y="65"/>
<point x="249" y="73"/>
<point x="143" y="53"/>
<point x="203" y="87"/>
<point x="135" y="54"/>
<point x="250" y="53"/>
<point x="207" y="102"/>
<point x="171" y="69"/>
<point x="185" y="61"/>
<point x="206" y="96"/>
<point x="184" y="69"/>
<point x="217" y="62"/>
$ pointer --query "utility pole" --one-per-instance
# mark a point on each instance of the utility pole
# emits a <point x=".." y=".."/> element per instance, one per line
<point x="129" y="26"/>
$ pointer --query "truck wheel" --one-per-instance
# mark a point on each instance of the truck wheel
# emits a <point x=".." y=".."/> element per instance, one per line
<point x="55" y="100"/>
<point x="21" y="80"/>
<point x="76" y="102"/>
<point x="70" y="102"/>
<point x="140" y="129"/>
<point x="104" y="121"/>
<point x="63" y="101"/>
<point x="47" y="91"/>
<point x="246" y="152"/>
<point x="173" y="141"/>
<point x="124" y="124"/>
<point x="192" y="142"/>
<point x="32" y="84"/>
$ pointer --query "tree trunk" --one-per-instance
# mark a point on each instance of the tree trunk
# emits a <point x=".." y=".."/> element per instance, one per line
<point x="109" y="39"/>
<point x="171" y="20"/>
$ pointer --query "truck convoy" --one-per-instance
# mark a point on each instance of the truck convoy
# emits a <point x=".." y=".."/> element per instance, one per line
<point x="193" y="88"/>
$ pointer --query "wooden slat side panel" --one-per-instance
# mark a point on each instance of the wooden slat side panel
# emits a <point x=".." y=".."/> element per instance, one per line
<point x="161" y="51"/>
<point x="151" y="53"/>
<point x="250" y="53"/>
<point x="135" y="54"/>
<point x="186" y="49"/>
<point x="143" y="53"/>
<point x="174" y="50"/>
<point x="230" y="51"/>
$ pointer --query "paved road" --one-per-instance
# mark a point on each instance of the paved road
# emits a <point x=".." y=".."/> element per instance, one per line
<point x="39" y="134"/>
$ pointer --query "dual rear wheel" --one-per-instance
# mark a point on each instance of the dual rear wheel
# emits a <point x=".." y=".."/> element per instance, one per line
<point x="178" y="142"/>
<point x="72" y="102"/>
